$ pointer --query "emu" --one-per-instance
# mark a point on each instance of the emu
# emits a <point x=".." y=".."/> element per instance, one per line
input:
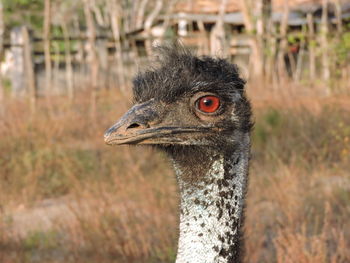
<point x="195" y="109"/>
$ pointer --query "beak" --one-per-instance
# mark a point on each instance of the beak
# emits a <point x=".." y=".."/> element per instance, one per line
<point x="144" y="124"/>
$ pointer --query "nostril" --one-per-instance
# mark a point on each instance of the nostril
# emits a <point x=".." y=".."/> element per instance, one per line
<point x="133" y="125"/>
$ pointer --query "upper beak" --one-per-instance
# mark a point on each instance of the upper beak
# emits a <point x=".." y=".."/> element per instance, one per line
<point x="143" y="124"/>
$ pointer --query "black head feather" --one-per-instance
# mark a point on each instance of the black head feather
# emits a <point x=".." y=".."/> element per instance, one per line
<point x="180" y="72"/>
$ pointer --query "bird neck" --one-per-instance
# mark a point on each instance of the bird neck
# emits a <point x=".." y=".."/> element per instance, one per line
<point x="212" y="190"/>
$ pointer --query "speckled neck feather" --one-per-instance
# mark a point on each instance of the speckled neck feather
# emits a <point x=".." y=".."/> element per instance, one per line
<point x="212" y="187"/>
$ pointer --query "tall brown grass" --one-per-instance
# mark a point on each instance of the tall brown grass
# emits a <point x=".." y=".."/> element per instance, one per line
<point x="66" y="197"/>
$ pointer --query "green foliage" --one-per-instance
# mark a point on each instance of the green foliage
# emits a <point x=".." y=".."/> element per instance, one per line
<point x="291" y="39"/>
<point x="283" y="135"/>
<point x="6" y="83"/>
<point x="168" y="255"/>
<point x="41" y="240"/>
<point x="170" y="33"/>
<point x="343" y="48"/>
<point x="273" y="118"/>
<point x="267" y="126"/>
<point x="24" y="12"/>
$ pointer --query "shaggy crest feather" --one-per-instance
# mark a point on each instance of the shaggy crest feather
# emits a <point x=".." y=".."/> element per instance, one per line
<point x="179" y="72"/>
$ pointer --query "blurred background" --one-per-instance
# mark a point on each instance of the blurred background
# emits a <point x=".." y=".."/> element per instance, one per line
<point x="65" y="77"/>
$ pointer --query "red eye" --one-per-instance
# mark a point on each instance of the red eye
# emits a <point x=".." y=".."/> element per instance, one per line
<point x="208" y="104"/>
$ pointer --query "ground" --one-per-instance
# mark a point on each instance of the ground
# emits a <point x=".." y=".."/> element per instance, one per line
<point x="67" y="197"/>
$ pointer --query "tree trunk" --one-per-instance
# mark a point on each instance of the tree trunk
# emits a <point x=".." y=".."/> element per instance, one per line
<point x="204" y="46"/>
<point x="338" y="17"/>
<point x="168" y="12"/>
<point x="324" y="45"/>
<point x="100" y="19"/>
<point x="282" y="71"/>
<point x="247" y="17"/>
<point x="56" y="90"/>
<point x="300" y="58"/>
<point x="260" y="30"/>
<point x="17" y="74"/>
<point x="127" y="15"/>
<point x="29" y="70"/>
<point x="68" y="61"/>
<point x="115" y="22"/>
<point x="255" y="59"/>
<point x="148" y="25"/>
<point x="271" y="59"/>
<point x="312" y="45"/>
<point x="338" y="37"/>
<point x="47" y="51"/>
<point x="2" y="91"/>
<point x="80" y="56"/>
<point x="93" y="60"/>
<point x="268" y="43"/>
<point x="218" y="36"/>
<point x="141" y="14"/>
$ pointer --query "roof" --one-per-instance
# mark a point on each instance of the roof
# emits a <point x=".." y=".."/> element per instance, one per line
<point x="212" y="6"/>
<point x="236" y="18"/>
<point x="297" y="17"/>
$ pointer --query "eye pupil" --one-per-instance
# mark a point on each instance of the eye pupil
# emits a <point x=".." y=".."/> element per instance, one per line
<point x="208" y="104"/>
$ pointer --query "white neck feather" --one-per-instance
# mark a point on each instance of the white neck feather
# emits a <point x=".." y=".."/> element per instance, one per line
<point x="212" y="210"/>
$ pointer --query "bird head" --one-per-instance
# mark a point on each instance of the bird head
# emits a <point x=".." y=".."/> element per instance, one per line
<point x="184" y="100"/>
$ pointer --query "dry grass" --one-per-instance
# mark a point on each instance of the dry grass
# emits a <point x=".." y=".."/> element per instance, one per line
<point x="66" y="197"/>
